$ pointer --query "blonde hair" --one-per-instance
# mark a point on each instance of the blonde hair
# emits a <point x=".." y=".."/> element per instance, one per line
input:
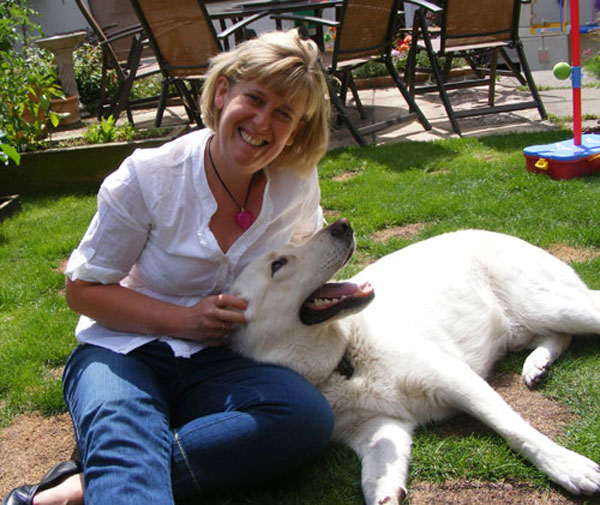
<point x="289" y="66"/>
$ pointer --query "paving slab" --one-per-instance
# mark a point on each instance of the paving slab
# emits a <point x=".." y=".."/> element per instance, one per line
<point x="556" y="96"/>
<point x="383" y="103"/>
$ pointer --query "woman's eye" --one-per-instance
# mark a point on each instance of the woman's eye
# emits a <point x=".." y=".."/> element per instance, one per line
<point x="253" y="99"/>
<point x="277" y="264"/>
<point x="286" y="116"/>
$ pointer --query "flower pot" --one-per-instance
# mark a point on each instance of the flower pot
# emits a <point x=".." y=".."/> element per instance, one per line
<point x="69" y="106"/>
<point x="27" y="116"/>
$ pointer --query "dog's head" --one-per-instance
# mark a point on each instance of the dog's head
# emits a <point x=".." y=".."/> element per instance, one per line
<point x="289" y="298"/>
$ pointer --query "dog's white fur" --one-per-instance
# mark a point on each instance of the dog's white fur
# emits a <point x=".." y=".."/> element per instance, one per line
<point x="445" y="310"/>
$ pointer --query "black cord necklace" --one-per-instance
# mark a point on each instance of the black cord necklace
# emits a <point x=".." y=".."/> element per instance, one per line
<point x="244" y="217"/>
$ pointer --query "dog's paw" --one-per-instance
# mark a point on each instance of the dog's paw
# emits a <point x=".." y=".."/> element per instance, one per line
<point x="576" y="473"/>
<point x="536" y="367"/>
<point x="393" y="499"/>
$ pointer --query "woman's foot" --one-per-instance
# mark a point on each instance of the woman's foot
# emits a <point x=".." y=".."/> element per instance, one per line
<point x="68" y="492"/>
<point x="63" y="484"/>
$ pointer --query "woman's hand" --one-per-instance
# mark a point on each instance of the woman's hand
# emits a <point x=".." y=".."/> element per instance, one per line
<point x="212" y="318"/>
<point x="123" y="309"/>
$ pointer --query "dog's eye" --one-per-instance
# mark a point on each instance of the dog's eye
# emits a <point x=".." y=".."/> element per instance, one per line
<point x="277" y="264"/>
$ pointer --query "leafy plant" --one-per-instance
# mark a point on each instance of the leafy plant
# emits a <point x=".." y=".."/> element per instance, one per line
<point x="87" y="64"/>
<point x="27" y="78"/>
<point x="591" y="63"/>
<point x="8" y="152"/>
<point x="107" y="131"/>
<point x="593" y="66"/>
<point x="375" y="69"/>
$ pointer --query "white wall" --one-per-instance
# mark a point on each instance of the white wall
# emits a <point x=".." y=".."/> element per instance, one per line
<point x="63" y="16"/>
<point x="59" y="16"/>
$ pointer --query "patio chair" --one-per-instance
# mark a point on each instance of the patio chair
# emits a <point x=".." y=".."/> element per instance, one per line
<point x="365" y="32"/>
<point x="183" y="38"/>
<point x="478" y="32"/>
<point x="122" y="41"/>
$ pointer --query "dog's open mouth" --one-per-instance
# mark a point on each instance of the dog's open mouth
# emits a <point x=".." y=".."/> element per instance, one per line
<point x="332" y="298"/>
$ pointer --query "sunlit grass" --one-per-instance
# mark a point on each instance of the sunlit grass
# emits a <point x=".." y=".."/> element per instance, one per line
<point x="444" y="185"/>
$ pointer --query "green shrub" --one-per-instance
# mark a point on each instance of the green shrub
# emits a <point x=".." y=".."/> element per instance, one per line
<point x="8" y="152"/>
<point x="107" y="131"/>
<point x="593" y="66"/>
<point x="87" y="63"/>
<point x="374" y="69"/>
<point x="27" y="78"/>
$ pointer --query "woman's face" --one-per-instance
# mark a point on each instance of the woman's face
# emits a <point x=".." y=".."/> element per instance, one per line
<point x="256" y="124"/>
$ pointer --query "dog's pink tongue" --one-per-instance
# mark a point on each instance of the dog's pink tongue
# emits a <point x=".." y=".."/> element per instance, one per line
<point x="335" y="290"/>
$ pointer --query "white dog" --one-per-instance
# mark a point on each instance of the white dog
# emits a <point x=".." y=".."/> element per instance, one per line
<point x="414" y="347"/>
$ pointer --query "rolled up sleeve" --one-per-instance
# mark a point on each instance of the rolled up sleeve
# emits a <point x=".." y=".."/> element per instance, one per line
<point x="117" y="233"/>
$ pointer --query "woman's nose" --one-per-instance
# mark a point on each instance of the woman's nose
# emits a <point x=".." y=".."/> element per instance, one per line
<point x="262" y="118"/>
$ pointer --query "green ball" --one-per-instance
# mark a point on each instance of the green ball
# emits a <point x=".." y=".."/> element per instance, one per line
<point x="562" y="70"/>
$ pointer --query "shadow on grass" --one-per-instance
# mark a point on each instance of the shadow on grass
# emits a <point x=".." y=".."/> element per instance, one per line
<point x="426" y="156"/>
<point x="333" y="479"/>
<point x="398" y="157"/>
<point x="513" y="141"/>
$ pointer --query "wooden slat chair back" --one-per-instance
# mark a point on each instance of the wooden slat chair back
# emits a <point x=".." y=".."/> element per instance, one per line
<point x="182" y="33"/>
<point x="184" y="40"/>
<point x="114" y="16"/>
<point x="365" y="31"/>
<point x="122" y="50"/>
<point x="484" y="22"/>
<point x="477" y="31"/>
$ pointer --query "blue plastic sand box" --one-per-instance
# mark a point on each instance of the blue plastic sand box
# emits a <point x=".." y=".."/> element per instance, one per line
<point x="563" y="159"/>
<point x="566" y="150"/>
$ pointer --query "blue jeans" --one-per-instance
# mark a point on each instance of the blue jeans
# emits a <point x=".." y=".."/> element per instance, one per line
<point x="154" y="429"/>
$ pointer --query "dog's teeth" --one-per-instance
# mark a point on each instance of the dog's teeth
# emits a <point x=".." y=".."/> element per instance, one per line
<point x="320" y="302"/>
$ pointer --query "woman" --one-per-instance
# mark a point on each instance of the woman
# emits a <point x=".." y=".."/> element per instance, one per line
<point x="162" y="411"/>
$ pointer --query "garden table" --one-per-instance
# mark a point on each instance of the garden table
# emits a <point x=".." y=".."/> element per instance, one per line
<point x="238" y="9"/>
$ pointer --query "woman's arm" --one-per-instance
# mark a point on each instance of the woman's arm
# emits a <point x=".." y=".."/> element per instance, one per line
<point x="124" y="309"/>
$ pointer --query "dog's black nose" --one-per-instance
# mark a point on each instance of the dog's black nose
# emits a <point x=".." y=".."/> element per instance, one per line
<point x="341" y="228"/>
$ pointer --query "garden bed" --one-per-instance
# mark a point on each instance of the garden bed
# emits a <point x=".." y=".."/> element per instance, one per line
<point x="385" y="81"/>
<point x="76" y="168"/>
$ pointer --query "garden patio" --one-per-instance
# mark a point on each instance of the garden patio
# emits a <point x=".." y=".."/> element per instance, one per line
<point x="382" y="103"/>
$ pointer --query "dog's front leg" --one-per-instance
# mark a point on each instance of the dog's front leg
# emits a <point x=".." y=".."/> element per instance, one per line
<point x="465" y="390"/>
<point x="383" y="446"/>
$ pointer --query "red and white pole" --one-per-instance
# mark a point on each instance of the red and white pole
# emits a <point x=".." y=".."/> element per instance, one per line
<point x="576" y="72"/>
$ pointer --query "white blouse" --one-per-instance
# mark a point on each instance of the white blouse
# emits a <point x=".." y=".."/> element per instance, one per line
<point x="151" y="234"/>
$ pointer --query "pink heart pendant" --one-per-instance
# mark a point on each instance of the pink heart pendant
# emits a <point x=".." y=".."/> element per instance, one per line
<point x="244" y="219"/>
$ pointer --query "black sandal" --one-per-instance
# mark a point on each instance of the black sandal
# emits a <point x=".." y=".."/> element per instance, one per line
<point x="23" y="495"/>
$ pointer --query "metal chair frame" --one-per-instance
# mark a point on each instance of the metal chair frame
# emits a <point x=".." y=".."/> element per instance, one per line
<point x="349" y="54"/>
<point x="493" y="41"/>
<point x="187" y="79"/>
<point x="127" y="70"/>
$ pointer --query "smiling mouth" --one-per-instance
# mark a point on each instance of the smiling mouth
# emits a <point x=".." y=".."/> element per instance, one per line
<point x="332" y="298"/>
<point x="249" y="140"/>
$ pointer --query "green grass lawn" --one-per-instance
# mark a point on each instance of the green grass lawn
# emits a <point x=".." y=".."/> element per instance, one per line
<point x="443" y="185"/>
